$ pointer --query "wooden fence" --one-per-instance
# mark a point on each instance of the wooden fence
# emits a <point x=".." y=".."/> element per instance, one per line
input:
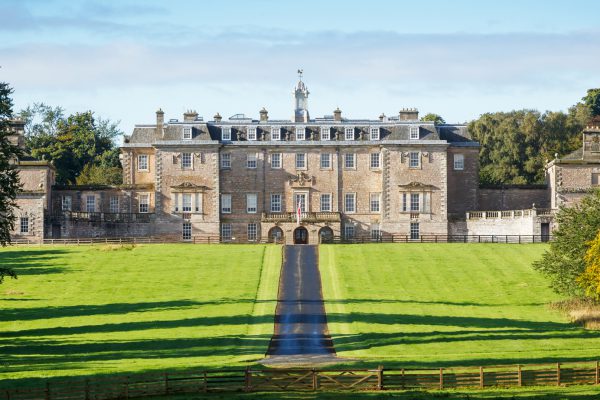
<point x="281" y="380"/>
<point x="385" y="238"/>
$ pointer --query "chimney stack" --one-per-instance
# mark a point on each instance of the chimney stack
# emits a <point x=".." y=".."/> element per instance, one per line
<point x="264" y="115"/>
<point x="382" y="117"/>
<point x="190" y="116"/>
<point x="160" y="122"/>
<point x="337" y="115"/>
<point x="409" y="114"/>
<point x="218" y="117"/>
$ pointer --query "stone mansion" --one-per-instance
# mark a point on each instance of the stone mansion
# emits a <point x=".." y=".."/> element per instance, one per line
<point x="298" y="181"/>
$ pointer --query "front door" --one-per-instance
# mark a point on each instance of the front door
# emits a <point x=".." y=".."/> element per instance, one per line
<point x="545" y="231"/>
<point x="301" y="236"/>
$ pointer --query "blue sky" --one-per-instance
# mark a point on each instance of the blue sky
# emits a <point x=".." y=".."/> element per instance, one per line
<point x="124" y="59"/>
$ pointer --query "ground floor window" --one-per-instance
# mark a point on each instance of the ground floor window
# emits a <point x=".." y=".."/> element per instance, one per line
<point x="226" y="232"/>
<point x="24" y="224"/>
<point x="252" y="230"/>
<point x="414" y="230"/>
<point x="348" y="232"/>
<point x="187" y="231"/>
<point x="144" y="203"/>
<point x="375" y="232"/>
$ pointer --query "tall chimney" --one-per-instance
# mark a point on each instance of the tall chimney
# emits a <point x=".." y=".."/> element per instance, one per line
<point x="218" y="117"/>
<point x="160" y="122"/>
<point x="409" y="114"/>
<point x="264" y="115"/>
<point x="382" y="117"/>
<point x="190" y="116"/>
<point x="337" y="114"/>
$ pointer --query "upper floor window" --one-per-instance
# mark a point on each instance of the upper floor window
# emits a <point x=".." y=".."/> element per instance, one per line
<point x="415" y="204"/>
<point x="300" y="133"/>
<point x="375" y="160"/>
<point x="349" y="133"/>
<point x="300" y="160"/>
<point x="186" y="204"/>
<point x="144" y="203"/>
<point x="459" y="162"/>
<point x="24" y="224"/>
<point x="252" y="133"/>
<point x="67" y="203"/>
<point x="325" y="160"/>
<point x="276" y="160"/>
<point x="374" y="202"/>
<point x="251" y="203"/>
<point x="275" y="203"/>
<point x="226" y="203"/>
<point x="415" y="160"/>
<point x="225" y="160"/>
<point x="251" y="160"/>
<point x="186" y="160"/>
<point x="275" y="133"/>
<point x="414" y="132"/>
<point x="326" y="202"/>
<point x="187" y="133"/>
<point x="374" y="133"/>
<point x="325" y="133"/>
<point x="143" y="162"/>
<point x="350" y="202"/>
<point x="349" y="160"/>
<point x="226" y="133"/>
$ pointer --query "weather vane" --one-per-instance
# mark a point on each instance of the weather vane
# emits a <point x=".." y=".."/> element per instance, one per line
<point x="300" y="72"/>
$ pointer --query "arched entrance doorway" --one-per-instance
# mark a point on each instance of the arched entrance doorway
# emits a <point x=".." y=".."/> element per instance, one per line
<point x="326" y="235"/>
<point x="301" y="235"/>
<point x="276" y="235"/>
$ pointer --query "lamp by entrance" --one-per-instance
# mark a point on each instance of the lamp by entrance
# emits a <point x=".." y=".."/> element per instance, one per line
<point x="301" y="235"/>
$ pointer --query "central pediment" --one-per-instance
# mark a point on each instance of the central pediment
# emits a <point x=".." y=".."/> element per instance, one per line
<point x="418" y="186"/>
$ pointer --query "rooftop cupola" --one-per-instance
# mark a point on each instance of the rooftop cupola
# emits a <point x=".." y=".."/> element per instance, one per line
<point x="264" y="115"/>
<point x="300" y="100"/>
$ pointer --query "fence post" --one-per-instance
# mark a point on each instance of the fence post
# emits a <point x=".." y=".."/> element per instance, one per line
<point x="597" y="373"/>
<point x="166" y="383"/>
<point x="441" y="378"/>
<point x="380" y="377"/>
<point x="403" y="380"/>
<point x="481" y="382"/>
<point x="519" y="376"/>
<point x="87" y="389"/>
<point x="557" y="374"/>
<point x="7" y="394"/>
<point x="247" y="380"/>
<point x="126" y="387"/>
<point x="47" y="391"/>
<point x="315" y="382"/>
<point x="205" y="382"/>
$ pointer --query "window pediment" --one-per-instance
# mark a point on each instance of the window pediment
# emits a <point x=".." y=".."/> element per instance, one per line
<point x="417" y="186"/>
<point x="189" y="187"/>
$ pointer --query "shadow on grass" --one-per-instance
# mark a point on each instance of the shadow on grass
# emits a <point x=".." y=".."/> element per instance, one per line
<point x="32" y="262"/>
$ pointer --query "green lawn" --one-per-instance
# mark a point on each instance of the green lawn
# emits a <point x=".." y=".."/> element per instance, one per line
<point x="445" y="304"/>
<point x="93" y="310"/>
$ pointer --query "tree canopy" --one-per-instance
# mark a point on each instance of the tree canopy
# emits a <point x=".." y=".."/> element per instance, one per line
<point x="515" y="145"/>
<point x="590" y="279"/>
<point x="564" y="262"/>
<point x="592" y="101"/>
<point x="9" y="176"/>
<point x="78" y="144"/>
<point x="434" y="118"/>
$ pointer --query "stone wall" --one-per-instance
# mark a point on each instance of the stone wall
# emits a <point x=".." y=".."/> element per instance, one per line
<point x="513" y="197"/>
<point x="514" y="222"/>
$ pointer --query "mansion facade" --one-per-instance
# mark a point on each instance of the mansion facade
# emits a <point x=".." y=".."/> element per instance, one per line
<point x="295" y="181"/>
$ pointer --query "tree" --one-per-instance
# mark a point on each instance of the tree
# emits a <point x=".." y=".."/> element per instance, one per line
<point x="97" y="174"/>
<point x="590" y="279"/>
<point x="434" y="118"/>
<point x="9" y="176"/>
<point x="564" y="262"/>
<point x="592" y="101"/>
<point x="73" y="143"/>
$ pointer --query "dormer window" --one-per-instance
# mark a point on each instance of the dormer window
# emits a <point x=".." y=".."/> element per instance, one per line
<point x="374" y="131"/>
<point x="301" y="133"/>
<point x="275" y="133"/>
<point x="325" y="133"/>
<point x="349" y="133"/>
<point x="187" y="133"/>
<point x="414" y="133"/>
<point x="226" y="134"/>
<point x="251" y="133"/>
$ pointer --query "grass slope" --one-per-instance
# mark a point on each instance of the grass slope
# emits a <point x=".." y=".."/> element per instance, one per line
<point x="445" y="304"/>
<point x="94" y="310"/>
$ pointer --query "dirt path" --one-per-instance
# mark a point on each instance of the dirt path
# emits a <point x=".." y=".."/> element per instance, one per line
<point x="301" y="335"/>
